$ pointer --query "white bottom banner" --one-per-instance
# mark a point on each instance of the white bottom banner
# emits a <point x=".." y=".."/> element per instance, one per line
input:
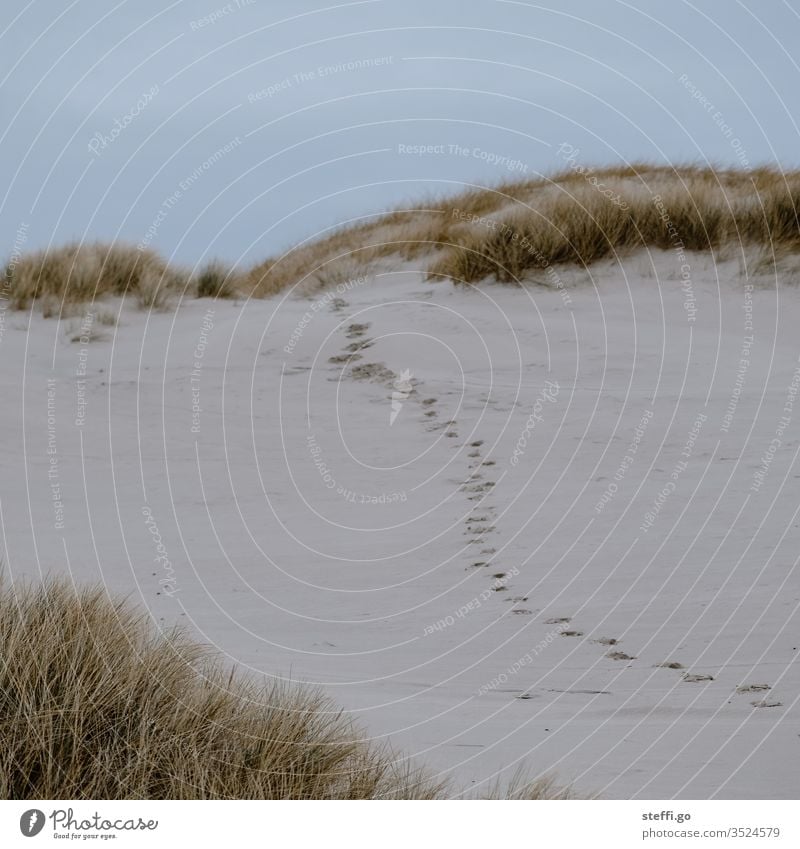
<point x="572" y="824"/>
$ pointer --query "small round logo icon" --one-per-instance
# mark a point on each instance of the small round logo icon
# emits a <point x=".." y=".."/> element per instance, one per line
<point x="31" y="822"/>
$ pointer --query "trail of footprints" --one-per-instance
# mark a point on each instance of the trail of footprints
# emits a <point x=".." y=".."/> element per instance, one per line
<point x="619" y="655"/>
<point x="480" y="524"/>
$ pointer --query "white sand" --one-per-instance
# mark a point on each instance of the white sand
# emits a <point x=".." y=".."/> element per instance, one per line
<point x="290" y="576"/>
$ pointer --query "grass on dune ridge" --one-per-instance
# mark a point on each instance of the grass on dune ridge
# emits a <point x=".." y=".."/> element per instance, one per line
<point x="507" y="232"/>
<point x="95" y="704"/>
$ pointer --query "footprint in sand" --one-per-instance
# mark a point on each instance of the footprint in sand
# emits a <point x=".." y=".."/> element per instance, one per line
<point x="619" y="655"/>
<point x="483" y="486"/>
<point x="572" y="633"/>
<point x="374" y="372"/>
<point x="354" y="331"/>
<point x="670" y="664"/>
<point x="752" y="688"/>
<point x="766" y="703"/>
<point x="607" y="641"/>
<point x="692" y="678"/>
<point x="428" y="413"/>
<point x="558" y="620"/>
<point x="478" y="525"/>
<point x="344" y="358"/>
<point x="359" y="346"/>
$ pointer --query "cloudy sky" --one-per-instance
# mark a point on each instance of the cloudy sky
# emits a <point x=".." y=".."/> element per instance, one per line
<point x="237" y="130"/>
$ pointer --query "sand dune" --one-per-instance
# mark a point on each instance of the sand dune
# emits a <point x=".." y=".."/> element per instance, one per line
<point x="548" y="524"/>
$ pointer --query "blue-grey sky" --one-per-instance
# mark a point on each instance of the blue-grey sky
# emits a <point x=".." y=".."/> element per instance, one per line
<point x="237" y="129"/>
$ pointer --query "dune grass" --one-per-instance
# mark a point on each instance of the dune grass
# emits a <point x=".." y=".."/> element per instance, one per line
<point x="506" y="232"/>
<point x="83" y="273"/>
<point x="215" y="280"/>
<point x="95" y="704"/>
<point x="523" y="228"/>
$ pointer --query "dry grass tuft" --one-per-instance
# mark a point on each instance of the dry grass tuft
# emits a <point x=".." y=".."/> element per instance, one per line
<point x="520" y="228"/>
<point x="520" y="787"/>
<point x="83" y="273"/>
<point x="507" y="232"/>
<point x="216" y="280"/>
<point x="94" y="704"/>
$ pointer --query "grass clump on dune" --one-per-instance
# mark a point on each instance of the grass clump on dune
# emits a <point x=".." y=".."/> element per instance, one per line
<point x="216" y="280"/>
<point x="519" y="228"/>
<point x="506" y="232"/>
<point x="95" y="704"/>
<point x="82" y="273"/>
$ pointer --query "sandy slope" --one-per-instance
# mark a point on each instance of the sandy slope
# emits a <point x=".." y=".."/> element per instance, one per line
<point x="307" y="534"/>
